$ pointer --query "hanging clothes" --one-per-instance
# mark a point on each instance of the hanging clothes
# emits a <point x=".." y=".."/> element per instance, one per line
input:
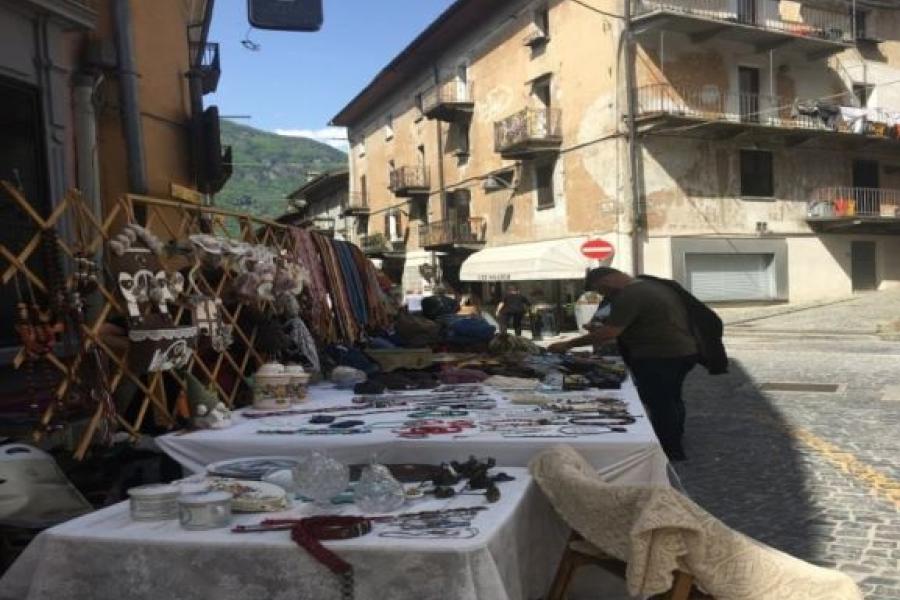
<point x="376" y="302"/>
<point x="352" y="282"/>
<point x="347" y="328"/>
<point x="314" y="307"/>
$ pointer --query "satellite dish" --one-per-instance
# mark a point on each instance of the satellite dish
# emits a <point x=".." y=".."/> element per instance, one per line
<point x="285" y="15"/>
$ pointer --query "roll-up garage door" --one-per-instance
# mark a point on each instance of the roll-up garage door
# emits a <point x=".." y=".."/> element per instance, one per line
<point x="731" y="277"/>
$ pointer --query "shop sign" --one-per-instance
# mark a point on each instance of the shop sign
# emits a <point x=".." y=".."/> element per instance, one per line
<point x="494" y="277"/>
<point x="598" y="250"/>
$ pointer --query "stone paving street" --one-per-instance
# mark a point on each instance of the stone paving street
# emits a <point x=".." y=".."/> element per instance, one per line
<point x="816" y="474"/>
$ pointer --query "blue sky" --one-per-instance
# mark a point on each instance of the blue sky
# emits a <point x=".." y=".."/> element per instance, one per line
<point x="296" y="82"/>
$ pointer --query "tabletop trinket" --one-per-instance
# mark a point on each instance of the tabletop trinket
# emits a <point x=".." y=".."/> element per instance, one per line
<point x="378" y="491"/>
<point x="297" y="382"/>
<point x="321" y="478"/>
<point x="204" y="510"/>
<point x="154" y="502"/>
<point x="270" y="390"/>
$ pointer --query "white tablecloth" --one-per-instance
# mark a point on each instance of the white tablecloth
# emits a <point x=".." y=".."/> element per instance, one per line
<point x="107" y="556"/>
<point x="636" y="453"/>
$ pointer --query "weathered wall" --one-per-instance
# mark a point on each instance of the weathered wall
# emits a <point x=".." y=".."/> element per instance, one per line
<point x="500" y="68"/>
<point x="691" y="186"/>
<point x="162" y="59"/>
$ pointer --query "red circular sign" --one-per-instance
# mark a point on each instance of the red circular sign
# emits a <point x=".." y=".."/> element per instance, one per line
<point x="598" y="249"/>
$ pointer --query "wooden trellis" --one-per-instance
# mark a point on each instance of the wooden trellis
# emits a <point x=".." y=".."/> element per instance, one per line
<point x="170" y="221"/>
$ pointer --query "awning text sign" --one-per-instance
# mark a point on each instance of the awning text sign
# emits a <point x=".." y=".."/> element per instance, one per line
<point x="598" y="250"/>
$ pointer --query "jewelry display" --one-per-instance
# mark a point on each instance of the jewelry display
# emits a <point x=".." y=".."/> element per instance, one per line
<point x="611" y="421"/>
<point x="313" y="431"/>
<point x="310" y="532"/>
<point x="576" y="430"/>
<point x="465" y="533"/>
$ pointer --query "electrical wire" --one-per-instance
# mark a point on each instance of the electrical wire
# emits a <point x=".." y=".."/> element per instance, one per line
<point x="250" y="44"/>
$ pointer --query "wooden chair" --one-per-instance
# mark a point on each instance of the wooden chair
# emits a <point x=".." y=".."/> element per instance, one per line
<point x="579" y="553"/>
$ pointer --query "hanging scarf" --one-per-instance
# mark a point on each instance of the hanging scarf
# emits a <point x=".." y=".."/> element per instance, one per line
<point x="347" y="327"/>
<point x="314" y="306"/>
<point x="356" y="292"/>
<point x="376" y="302"/>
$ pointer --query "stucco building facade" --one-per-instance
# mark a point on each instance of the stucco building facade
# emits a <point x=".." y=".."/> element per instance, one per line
<point x="697" y="136"/>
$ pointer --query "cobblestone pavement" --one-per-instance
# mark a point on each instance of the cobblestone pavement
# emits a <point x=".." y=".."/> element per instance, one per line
<point x="863" y="313"/>
<point x="814" y="474"/>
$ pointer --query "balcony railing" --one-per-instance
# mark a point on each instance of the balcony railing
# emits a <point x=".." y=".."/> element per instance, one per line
<point x="206" y="60"/>
<point x="710" y="104"/>
<point x="448" y="101"/>
<point x="355" y="203"/>
<point x="816" y="23"/>
<point x="529" y="131"/>
<point x="442" y="234"/>
<point x="852" y="202"/>
<point x="409" y="181"/>
<point x="377" y="244"/>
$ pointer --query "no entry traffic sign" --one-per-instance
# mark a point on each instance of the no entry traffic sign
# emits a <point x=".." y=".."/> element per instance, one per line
<point x="598" y="250"/>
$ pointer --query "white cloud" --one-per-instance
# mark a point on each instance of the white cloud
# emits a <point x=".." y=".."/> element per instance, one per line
<point x="333" y="136"/>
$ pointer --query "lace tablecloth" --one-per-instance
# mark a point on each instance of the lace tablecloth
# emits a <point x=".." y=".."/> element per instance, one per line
<point x="635" y="452"/>
<point x="107" y="556"/>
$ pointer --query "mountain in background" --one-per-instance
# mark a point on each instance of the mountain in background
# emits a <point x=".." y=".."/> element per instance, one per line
<point x="267" y="167"/>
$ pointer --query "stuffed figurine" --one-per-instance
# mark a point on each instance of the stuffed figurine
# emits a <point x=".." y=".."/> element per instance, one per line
<point x="207" y="411"/>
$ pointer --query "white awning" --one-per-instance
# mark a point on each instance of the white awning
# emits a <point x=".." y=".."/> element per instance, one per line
<point x="553" y="259"/>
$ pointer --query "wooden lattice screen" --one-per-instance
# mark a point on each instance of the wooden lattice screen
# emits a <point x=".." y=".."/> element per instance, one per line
<point x="169" y="220"/>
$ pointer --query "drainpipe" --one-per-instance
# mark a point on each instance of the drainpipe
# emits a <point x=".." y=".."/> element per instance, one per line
<point x="440" y="154"/>
<point x="128" y="90"/>
<point x="86" y="142"/>
<point x="440" y="169"/>
<point x="637" y="213"/>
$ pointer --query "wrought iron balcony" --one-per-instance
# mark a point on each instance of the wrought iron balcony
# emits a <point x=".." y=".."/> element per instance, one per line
<point x="410" y="181"/>
<point x="762" y="23"/>
<point x="378" y="245"/>
<point x="855" y="209"/>
<point x="449" y="101"/>
<point x="708" y="103"/>
<point x="467" y="233"/>
<point x="527" y="133"/>
<point x="709" y="112"/>
<point x="205" y="58"/>
<point x="355" y="204"/>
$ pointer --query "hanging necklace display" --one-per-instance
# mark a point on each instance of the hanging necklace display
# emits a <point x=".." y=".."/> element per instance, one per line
<point x="94" y="377"/>
<point x="37" y="335"/>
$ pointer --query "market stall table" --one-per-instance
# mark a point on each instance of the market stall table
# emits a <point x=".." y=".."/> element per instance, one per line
<point x="635" y="452"/>
<point x="107" y="556"/>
